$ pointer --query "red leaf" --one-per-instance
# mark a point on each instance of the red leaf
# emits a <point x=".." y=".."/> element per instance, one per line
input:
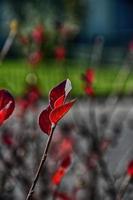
<point x="8" y="139"/>
<point x="7" y="105"/>
<point x="66" y="146"/>
<point x="60" y="53"/>
<point x="35" y="58"/>
<point x="61" y="171"/>
<point x="58" y="176"/>
<point x="44" y="120"/>
<point x="90" y="75"/>
<point x="38" y="34"/>
<point x="61" y="195"/>
<point x="89" y="90"/>
<point x="60" y="90"/>
<point x="66" y="162"/>
<point x="59" y="101"/>
<point x="130" y="168"/>
<point x="59" y="112"/>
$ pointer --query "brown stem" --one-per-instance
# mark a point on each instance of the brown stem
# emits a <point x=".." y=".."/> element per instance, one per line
<point x="123" y="188"/>
<point x="42" y="162"/>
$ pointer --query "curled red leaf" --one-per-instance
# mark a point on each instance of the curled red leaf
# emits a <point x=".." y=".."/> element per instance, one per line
<point x="57" y="108"/>
<point x="59" y="101"/>
<point x="57" y="113"/>
<point x="60" y="90"/>
<point x="44" y="121"/>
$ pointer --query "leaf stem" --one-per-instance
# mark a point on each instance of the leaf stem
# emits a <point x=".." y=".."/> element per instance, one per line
<point x="42" y="162"/>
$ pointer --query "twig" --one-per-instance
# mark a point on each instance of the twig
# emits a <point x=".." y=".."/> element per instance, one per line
<point x="123" y="187"/>
<point x="44" y="156"/>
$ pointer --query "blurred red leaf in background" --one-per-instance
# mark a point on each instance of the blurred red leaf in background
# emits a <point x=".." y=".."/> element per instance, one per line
<point x="7" y="105"/>
<point x="130" y="168"/>
<point x="61" y="171"/>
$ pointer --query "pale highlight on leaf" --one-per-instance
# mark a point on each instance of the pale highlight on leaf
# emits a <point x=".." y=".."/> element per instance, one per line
<point x="68" y="87"/>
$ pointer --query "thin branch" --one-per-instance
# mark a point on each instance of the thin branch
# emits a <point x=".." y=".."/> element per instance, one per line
<point x="44" y="156"/>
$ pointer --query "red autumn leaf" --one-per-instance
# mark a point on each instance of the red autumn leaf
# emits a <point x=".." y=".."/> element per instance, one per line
<point x="8" y="140"/>
<point x="58" y="176"/>
<point x="66" y="162"/>
<point x="130" y="168"/>
<point x="23" y="106"/>
<point x="35" y="58"/>
<point x="66" y="146"/>
<point x="89" y="90"/>
<point x="130" y="47"/>
<point x="38" y="34"/>
<point x="60" y="90"/>
<point x="44" y="120"/>
<point x="61" y="171"/>
<point x="57" y="113"/>
<point x="32" y="94"/>
<point x="56" y="109"/>
<point x="61" y="195"/>
<point x="90" y="75"/>
<point x="24" y="39"/>
<point x="60" y="53"/>
<point x="7" y="105"/>
<point x="59" y="101"/>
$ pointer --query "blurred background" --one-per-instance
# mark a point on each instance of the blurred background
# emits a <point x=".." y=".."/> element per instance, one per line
<point x="77" y="34"/>
<point x="43" y="42"/>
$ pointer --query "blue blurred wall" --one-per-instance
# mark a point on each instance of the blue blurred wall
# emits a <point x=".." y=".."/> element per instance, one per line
<point x="112" y="19"/>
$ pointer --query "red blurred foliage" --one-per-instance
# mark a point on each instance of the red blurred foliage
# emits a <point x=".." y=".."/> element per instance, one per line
<point x="61" y="171"/>
<point x="130" y="168"/>
<point x="8" y="139"/>
<point x="23" y="105"/>
<point x="35" y="58"/>
<point x="60" y="53"/>
<point x="57" y="108"/>
<point x="92" y="160"/>
<point x="88" y="79"/>
<point x="130" y="47"/>
<point x="61" y="196"/>
<point x="58" y="176"/>
<point x="24" y="40"/>
<point x="61" y="146"/>
<point x="89" y="90"/>
<point x="31" y="97"/>
<point x="66" y="146"/>
<point x="89" y="76"/>
<point x="32" y="94"/>
<point x="38" y="34"/>
<point x="7" y="105"/>
<point x="104" y="144"/>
